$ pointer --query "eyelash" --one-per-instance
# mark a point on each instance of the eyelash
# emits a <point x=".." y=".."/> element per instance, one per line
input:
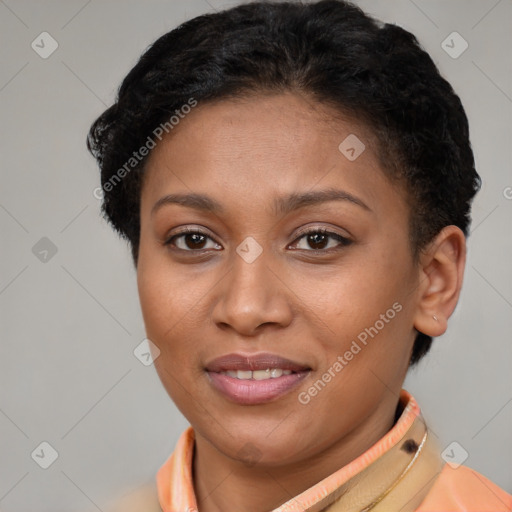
<point x="343" y="240"/>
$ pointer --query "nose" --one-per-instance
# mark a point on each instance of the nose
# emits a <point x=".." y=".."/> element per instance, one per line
<point x="251" y="295"/>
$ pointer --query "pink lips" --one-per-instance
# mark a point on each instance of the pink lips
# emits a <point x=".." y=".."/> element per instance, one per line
<point x="252" y="392"/>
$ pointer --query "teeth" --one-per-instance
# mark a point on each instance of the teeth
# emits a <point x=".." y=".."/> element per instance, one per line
<point x="261" y="374"/>
<point x="273" y="373"/>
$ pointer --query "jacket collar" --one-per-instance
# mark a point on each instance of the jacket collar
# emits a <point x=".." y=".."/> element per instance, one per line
<point x="395" y="473"/>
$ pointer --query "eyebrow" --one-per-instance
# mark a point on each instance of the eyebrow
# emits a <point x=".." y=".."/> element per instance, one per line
<point x="282" y="205"/>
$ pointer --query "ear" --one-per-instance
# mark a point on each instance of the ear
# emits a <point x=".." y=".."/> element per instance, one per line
<point x="440" y="281"/>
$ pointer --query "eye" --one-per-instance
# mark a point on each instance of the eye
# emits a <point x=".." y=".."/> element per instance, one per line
<point x="190" y="240"/>
<point x="318" y="239"/>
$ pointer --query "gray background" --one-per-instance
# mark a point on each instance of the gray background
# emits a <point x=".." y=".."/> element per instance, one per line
<point x="70" y="324"/>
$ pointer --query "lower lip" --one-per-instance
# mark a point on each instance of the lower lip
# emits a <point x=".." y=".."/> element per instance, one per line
<point x="252" y="392"/>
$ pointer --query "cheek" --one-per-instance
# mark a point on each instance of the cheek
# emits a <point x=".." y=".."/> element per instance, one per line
<point x="363" y="302"/>
<point x="165" y="293"/>
<point x="162" y="305"/>
<point x="169" y="318"/>
<point x="173" y="306"/>
<point x="350" y="295"/>
<point x="157" y="303"/>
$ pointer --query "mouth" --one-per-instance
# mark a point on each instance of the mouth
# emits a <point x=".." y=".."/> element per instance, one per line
<point x="255" y="379"/>
<point x="268" y="373"/>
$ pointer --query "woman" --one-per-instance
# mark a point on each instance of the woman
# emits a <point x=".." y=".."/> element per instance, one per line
<point x="295" y="183"/>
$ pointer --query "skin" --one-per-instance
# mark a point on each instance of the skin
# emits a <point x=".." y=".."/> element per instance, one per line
<point x="203" y="301"/>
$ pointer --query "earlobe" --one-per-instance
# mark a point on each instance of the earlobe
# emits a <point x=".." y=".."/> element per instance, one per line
<point x="441" y="276"/>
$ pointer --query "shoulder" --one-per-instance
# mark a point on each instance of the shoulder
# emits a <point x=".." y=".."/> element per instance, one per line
<point x="144" y="497"/>
<point x="464" y="489"/>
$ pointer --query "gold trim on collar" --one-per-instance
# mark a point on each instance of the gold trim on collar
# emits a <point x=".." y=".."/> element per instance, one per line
<point x="397" y="481"/>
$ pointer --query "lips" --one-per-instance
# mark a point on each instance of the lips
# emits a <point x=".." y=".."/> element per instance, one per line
<point x="252" y="379"/>
<point x="254" y="362"/>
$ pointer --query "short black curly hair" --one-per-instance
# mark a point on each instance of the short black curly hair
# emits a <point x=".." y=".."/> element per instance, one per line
<point x="329" y="50"/>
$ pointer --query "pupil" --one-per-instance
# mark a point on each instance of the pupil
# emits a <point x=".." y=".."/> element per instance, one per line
<point x="317" y="239"/>
<point x="196" y="240"/>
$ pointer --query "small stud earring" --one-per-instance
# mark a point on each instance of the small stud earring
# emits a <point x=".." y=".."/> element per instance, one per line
<point x="434" y="317"/>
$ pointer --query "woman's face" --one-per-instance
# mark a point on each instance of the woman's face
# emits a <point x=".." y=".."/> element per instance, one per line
<point x="248" y="279"/>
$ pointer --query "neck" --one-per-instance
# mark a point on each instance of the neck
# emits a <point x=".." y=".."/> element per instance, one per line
<point x="222" y="483"/>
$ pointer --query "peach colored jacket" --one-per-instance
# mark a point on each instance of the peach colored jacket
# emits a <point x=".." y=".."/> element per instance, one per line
<point x="404" y="471"/>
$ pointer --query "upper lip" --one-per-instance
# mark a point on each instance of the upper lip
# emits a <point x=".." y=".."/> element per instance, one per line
<point x="262" y="361"/>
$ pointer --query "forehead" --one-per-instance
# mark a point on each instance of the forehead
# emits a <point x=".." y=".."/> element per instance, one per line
<point x="265" y="145"/>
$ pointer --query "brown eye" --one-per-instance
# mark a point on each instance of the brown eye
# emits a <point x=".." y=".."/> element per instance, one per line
<point x="190" y="240"/>
<point x="319" y="239"/>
